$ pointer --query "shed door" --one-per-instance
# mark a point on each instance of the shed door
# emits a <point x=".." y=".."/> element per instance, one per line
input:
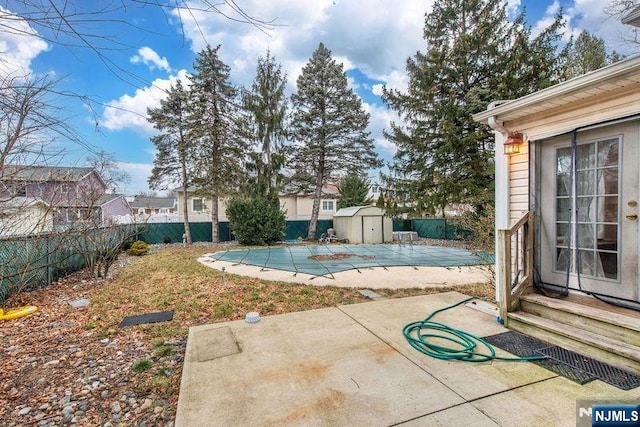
<point x="605" y="259"/>
<point x="372" y="229"/>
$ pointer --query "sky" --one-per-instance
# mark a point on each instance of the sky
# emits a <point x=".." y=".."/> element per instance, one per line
<point x="144" y="51"/>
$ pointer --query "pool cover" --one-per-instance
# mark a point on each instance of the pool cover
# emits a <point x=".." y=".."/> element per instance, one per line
<point x="323" y="260"/>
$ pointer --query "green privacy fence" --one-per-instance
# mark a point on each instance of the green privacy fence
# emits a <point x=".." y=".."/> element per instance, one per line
<point x="439" y="228"/>
<point x="171" y="232"/>
<point x="33" y="262"/>
<point x="433" y="228"/>
<point x="201" y="231"/>
<point x="297" y="229"/>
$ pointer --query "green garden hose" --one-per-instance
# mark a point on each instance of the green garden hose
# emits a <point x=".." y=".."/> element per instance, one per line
<point x="419" y="334"/>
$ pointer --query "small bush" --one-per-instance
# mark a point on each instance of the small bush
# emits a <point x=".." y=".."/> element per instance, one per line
<point x="138" y="248"/>
<point x="257" y="221"/>
<point x="166" y="240"/>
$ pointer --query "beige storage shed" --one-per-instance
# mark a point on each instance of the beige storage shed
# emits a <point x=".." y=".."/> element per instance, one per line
<point x="363" y="224"/>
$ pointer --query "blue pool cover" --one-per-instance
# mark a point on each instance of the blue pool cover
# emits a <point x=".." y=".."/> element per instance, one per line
<point x="322" y="260"/>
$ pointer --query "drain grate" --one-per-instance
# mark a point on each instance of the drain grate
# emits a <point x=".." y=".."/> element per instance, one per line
<point x="566" y="363"/>
<point x="610" y="374"/>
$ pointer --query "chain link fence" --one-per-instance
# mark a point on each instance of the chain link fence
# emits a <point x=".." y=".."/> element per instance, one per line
<point x="33" y="262"/>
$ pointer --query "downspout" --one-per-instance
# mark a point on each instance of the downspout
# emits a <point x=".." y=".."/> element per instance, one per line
<point x="502" y="171"/>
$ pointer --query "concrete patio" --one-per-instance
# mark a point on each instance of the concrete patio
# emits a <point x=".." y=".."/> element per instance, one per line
<point x="350" y="365"/>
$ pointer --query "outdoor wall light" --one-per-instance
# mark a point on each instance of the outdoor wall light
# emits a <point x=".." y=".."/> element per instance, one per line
<point x="513" y="142"/>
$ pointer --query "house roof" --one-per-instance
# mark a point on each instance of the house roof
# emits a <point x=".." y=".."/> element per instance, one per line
<point x="327" y="190"/>
<point x="106" y="198"/>
<point x="153" y="202"/>
<point x="596" y="87"/>
<point x="633" y="18"/>
<point x="17" y="203"/>
<point x="45" y="173"/>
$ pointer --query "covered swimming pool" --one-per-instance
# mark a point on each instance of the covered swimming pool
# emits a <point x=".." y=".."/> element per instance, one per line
<point x="324" y="260"/>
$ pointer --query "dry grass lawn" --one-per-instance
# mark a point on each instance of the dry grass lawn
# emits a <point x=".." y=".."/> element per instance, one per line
<point x="172" y="279"/>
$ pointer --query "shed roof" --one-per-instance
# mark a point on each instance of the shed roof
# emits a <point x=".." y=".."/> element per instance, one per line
<point x="355" y="210"/>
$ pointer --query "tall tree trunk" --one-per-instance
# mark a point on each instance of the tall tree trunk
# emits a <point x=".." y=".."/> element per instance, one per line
<point x="315" y="211"/>
<point x="215" y="224"/>
<point x="185" y="214"/>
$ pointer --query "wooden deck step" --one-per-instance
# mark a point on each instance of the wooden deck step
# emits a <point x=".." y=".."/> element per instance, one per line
<point x="608" y="321"/>
<point x="604" y="348"/>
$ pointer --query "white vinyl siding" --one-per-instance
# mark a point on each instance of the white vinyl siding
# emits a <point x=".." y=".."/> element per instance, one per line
<point x="519" y="184"/>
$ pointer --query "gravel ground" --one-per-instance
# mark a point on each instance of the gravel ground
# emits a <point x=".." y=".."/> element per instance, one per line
<point x="55" y="368"/>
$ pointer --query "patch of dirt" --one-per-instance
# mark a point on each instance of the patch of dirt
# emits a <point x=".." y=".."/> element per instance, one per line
<point x="339" y="256"/>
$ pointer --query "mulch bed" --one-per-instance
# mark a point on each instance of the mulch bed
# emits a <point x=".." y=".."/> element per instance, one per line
<point x="57" y="367"/>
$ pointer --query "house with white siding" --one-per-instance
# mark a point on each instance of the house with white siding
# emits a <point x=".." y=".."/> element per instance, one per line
<point x="567" y="203"/>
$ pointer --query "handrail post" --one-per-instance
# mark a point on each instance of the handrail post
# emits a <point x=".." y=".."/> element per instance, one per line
<point x="504" y="264"/>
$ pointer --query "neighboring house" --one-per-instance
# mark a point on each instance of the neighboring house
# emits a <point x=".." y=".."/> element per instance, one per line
<point x="74" y="194"/>
<point x="567" y="204"/>
<point x="153" y="205"/>
<point x="25" y="216"/>
<point x="296" y="207"/>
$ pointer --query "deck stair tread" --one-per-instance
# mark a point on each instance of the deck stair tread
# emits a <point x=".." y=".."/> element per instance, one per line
<point x="595" y="340"/>
<point x="620" y="317"/>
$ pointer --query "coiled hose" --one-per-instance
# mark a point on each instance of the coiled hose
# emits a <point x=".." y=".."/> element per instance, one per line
<point x="421" y="335"/>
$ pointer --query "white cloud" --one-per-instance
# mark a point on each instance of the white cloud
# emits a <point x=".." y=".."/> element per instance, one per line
<point x="130" y="111"/>
<point x="590" y="15"/>
<point x="19" y="45"/>
<point x="376" y="38"/>
<point x="139" y="173"/>
<point x="380" y="118"/>
<point x="151" y="59"/>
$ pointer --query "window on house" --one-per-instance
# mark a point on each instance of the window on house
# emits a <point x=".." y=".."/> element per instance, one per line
<point x="197" y="205"/>
<point x="164" y="211"/>
<point x="140" y="211"/>
<point x="327" y="205"/>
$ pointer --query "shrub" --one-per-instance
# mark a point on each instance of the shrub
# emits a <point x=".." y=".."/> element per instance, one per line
<point x="166" y="240"/>
<point x="138" y="248"/>
<point x="257" y="221"/>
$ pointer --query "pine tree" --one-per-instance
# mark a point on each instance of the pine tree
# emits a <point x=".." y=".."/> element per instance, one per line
<point x="354" y="191"/>
<point x="473" y="56"/>
<point x="586" y="53"/>
<point x="214" y="124"/>
<point x="265" y="105"/>
<point x="328" y="129"/>
<point x="174" y="146"/>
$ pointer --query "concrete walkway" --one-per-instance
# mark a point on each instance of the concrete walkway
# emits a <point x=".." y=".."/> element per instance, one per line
<point x="351" y="366"/>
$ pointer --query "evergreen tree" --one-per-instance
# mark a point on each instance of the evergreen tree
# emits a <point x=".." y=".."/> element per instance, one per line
<point x="380" y="202"/>
<point x="473" y="55"/>
<point x="586" y="53"/>
<point x="265" y="105"/>
<point x="174" y="146"/>
<point x="353" y="192"/>
<point x="328" y="129"/>
<point x="215" y="114"/>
